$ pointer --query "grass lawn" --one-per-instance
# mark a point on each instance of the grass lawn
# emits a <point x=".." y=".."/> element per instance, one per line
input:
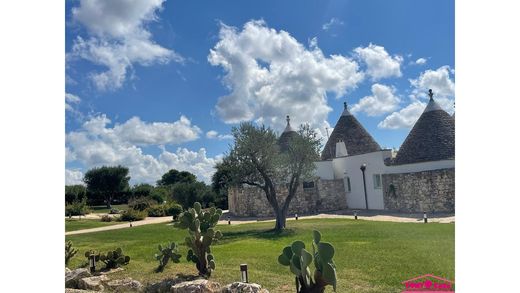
<point x="103" y="209"/>
<point x="370" y="256"/>
<point x="75" y="224"/>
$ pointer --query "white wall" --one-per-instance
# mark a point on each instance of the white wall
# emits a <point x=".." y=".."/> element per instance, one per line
<point x="350" y="166"/>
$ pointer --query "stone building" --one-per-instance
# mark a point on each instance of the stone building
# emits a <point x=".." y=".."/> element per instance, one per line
<point x="355" y="172"/>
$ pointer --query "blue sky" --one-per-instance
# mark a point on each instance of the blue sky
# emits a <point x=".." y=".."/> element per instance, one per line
<point x="156" y="84"/>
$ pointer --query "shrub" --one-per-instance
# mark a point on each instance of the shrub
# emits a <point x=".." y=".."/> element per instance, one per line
<point x="298" y="259"/>
<point x="174" y="210"/>
<point x="141" y="203"/>
<point x="69" y="251"/>
<point x="170" y="252"/>
<point x="201" y="235"/>
<point x="77" y="208"/>
<point x="157" y="211"/>
<point x="106" y="218"/>
<point x="132" y="215"/>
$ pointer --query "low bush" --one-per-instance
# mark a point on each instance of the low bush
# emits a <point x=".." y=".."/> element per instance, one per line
<point x="163" y="210"/>
<point x="132" y="215"/>
<point x="141" y="203"/>
<point x="114" y="211"/>
<point x="69" y="252"/>
<point x="77" y="208"/>
<point x="106" y="218"/>
<point x="174" y="210"/>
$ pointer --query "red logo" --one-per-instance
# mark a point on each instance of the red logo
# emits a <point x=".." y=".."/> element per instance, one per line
<point x="428" y="283"/>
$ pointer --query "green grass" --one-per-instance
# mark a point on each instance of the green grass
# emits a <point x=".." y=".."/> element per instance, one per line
<point x="75" y="224"/>
<point x="370" y="256"/>
<point x="103" y="209"/>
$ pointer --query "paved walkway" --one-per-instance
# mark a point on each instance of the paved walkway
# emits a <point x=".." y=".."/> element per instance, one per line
<point x="346" y="214"/>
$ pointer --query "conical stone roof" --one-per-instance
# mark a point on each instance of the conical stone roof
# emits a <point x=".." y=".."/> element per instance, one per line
<point x="432" y="138"/>
<point x="283" y="140"/>
<point x="349" y="130"/>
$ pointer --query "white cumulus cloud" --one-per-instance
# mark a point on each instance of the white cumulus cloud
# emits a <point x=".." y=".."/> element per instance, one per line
<point x="404" y="118"/>
<point x="441" y="83"/>
<point x="379" y="63"/>
<point x="212" y="134"/>
<point x="73" y="177"/>
<point x="382" y="100"/>
<point x="421" y="61"/>
<point x="96" y="144"/>
<point x="118" y="38"/>
<point x="271" y="75"/>
<point x="331" y="23"/>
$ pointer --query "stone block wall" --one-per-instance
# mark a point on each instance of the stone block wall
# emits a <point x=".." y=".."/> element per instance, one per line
<point x="431" y="191"/>
<point x="326" y="195"/>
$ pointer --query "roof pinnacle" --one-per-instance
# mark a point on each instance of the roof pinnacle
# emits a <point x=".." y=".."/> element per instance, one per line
<point x="430" y="93"/>
<point x="345" y="105"/>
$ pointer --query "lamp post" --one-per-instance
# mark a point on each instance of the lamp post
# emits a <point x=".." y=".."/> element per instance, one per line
<point x="92" y="263"/>
<point x="363" y="168"/>
<point x="243" y="273"/>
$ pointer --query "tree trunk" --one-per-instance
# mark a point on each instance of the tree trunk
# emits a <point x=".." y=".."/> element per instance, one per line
<point x="281" y="216"/>
<point x="109" y="202"/>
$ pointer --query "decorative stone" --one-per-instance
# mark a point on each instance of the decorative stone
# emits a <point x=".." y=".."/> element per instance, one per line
<point x="112" y="271"/>
<point x="72" y="277"/>
<point x="93" y="283"/>
<point x="69" y="290"/>
<point x="239" y="287"/>
<point x="165" y="286"/>
<point x="197" y="286"/>
<point x="125" y="285"/>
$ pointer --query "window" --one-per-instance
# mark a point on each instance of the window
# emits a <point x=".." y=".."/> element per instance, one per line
<point x="308" y="184"/>
<point x="349" y="189"/>
<point x="377" y="181"/>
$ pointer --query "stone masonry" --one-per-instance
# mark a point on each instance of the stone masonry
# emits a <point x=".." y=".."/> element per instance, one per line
<point x="430" y="191"/>
<point x="326" y="195"/>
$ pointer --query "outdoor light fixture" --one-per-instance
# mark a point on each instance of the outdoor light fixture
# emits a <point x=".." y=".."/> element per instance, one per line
<point x="130" y="223"/>
<point x="296" y="217"/>
<point x="243" y="273"/>
<point x="425" y="217"/>
<point x="229" y="220"/>
<point x="92" y="263"/>
<point x="355" y="215"/>
<point x="363" y="168"/>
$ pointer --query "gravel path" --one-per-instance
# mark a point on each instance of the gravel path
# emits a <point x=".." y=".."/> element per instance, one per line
<point x="347" y="214"/>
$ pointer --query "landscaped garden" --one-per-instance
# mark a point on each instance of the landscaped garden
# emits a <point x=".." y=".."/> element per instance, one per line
<point x="369" y="256"/>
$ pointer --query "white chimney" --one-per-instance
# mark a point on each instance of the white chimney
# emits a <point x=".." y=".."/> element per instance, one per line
<point x="341" y="149"/>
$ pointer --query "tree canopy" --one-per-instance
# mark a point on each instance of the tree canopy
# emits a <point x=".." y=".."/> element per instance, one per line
<point x="107" y="181"/>
<point x="173" y="177"/>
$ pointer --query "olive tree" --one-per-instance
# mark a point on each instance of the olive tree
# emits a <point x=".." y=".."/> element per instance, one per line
<point x="255" y="159"/>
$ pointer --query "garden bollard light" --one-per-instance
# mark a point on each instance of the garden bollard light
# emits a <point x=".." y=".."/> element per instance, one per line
<point x="355" y="215"/>
<point x="243" y="273"/>
<point x="296" y="217"/>
<point x="229" y="220"/>
<point x="425" y="217"/>
<point x="92" y="263"/>
<point x="130" y="223"/>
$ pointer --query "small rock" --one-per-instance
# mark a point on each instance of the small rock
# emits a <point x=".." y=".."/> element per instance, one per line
<point x="197" y="286"/>
<point x="72" y="278"/>
<point x="93" y="283"/>
<point x="125" y="285"/>
<point x="239" y="287"/>
<point x="67" y="270"/>
<point x="69" y="290"/>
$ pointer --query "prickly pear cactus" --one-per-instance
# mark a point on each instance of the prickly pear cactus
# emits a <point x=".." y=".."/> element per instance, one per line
<point x="114" y="259"/>
<point x="200" y="226"/>
<point x="167" y="253"/>
<point x="69" y="252"/>
<point x="298" y="259"/>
